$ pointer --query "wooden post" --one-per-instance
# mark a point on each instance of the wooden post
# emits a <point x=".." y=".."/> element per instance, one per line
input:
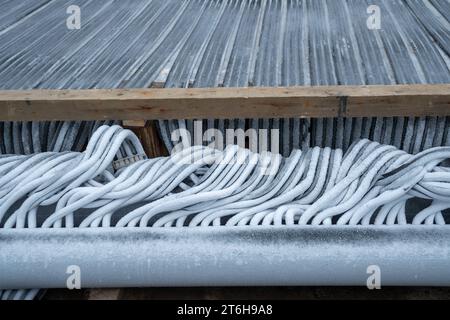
<point x="147" y="132"/>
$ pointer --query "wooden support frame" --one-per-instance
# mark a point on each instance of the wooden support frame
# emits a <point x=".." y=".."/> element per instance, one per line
<point x="221" y="103"/>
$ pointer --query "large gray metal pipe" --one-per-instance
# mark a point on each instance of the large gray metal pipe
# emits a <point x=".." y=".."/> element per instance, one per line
<point x="39" y="258"/>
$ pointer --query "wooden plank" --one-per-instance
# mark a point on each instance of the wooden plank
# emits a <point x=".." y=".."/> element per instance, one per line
<point x="223" y="103"/>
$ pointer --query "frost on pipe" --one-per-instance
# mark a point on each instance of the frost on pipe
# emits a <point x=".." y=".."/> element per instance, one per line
<point x="218" y="256"/>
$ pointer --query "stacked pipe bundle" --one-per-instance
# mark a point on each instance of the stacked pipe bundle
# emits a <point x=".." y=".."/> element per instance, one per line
<point x="411" y="134"/>
<point x="24" y="137"/>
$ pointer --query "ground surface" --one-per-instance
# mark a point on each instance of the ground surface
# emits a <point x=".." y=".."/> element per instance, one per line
<point x="306" y="293"/>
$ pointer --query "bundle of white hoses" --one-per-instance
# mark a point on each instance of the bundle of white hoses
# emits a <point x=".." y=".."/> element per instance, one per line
<point x="200" y="186"/>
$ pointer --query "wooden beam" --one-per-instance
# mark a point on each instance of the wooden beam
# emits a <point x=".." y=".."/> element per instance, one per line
<point x="220" y="103"/>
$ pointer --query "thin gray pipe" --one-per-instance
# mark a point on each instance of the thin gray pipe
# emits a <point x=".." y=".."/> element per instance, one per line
<point x="263" y="256"/>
